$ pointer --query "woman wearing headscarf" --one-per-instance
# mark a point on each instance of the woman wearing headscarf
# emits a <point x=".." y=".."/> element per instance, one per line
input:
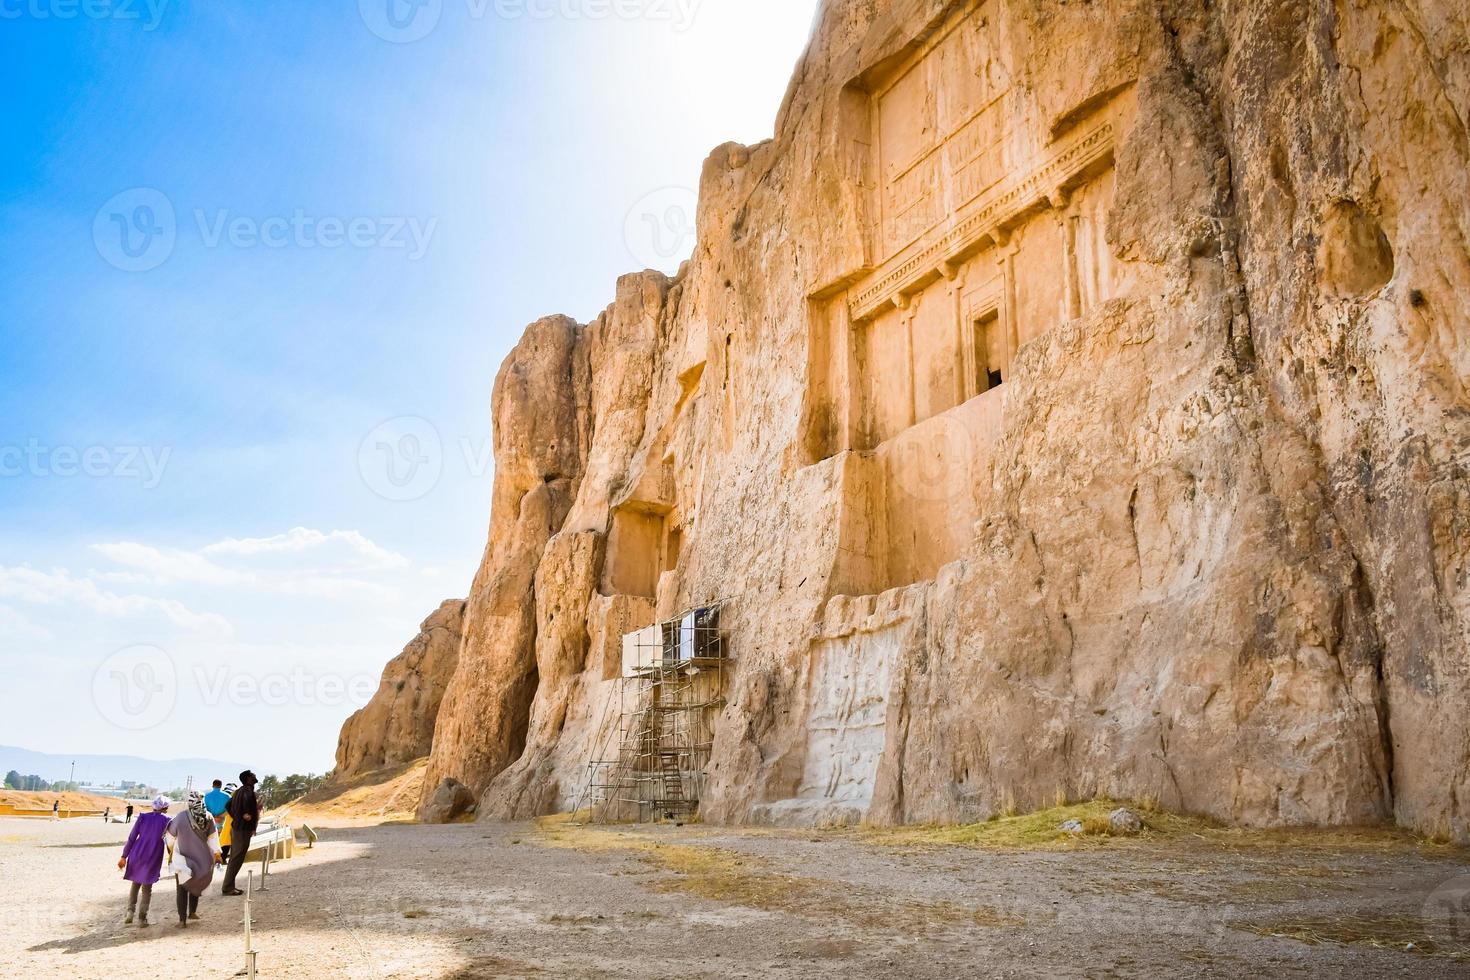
<point x="196" y="850"/>
<point x="142" y="859"/>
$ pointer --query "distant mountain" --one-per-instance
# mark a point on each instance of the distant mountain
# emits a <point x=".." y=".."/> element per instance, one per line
<point x="98" y="769"/>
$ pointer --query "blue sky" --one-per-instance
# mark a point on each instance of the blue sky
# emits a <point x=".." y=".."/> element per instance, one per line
<point x="260" y="264"/>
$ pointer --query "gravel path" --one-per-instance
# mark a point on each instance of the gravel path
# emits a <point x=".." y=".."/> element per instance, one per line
<point x="527" y="901"/>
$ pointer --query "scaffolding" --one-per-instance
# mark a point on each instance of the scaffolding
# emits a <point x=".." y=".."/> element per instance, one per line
<point x="669" y="699"/>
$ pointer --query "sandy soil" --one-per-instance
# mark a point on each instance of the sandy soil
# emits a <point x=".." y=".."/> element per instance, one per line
<point x="384" y="796"/>
<point x="551" y="900"/>
<point x="25" y="800"/>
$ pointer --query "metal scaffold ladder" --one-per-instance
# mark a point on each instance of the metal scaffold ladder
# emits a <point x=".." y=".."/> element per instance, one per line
<point x="670" y="696"/>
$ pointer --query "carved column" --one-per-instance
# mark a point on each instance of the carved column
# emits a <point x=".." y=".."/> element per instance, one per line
<point x="962" y="383"/>
<point x="908" y="352"/>
<point x="972" y="356"/>
<point x="1072" y="288"/>
<point x="849" y="385"/>
<point x="1009" y="314"/>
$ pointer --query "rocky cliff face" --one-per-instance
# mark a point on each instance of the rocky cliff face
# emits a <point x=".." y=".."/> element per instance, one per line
<point x="397" y="725"/>
<point x="1070" y="398"/>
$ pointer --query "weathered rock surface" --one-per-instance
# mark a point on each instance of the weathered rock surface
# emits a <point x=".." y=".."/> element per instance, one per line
<point x="449" y="800"/>
<point x="397" y="725"/>
<point x="1071" y="400"/>
<point x="1125" y="821"/>
<point x="541" y="428"/>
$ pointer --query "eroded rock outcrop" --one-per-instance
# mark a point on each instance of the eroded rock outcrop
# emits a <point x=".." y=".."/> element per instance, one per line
<point x="397" y="725"/>
<point x="541" y="431"/>
<point x="1070" y="399"/>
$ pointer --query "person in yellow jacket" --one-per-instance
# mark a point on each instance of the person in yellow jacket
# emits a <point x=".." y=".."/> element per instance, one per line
<point x="224" y="838"/>
<point x="222" y="817"/>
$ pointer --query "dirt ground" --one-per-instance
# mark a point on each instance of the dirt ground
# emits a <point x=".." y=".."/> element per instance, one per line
<point x="555" y="900"/>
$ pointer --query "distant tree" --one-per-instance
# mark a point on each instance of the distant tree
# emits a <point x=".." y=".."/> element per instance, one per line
<point x="275" y="791"/>
<point x="12" y="780"/>
<point x="293" y="786"/>
<point x="267" y="791"/>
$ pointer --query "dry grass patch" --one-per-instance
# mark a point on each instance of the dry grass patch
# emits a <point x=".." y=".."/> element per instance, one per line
<point x="725" y="876"/>
<point x="1333" y="841"/>
<point x="738" y="879"/>
<point x="734" y="879"/>
<point x="567" y="830"/>
<point x="1405" y="933"/>
<point x="1041" y="831"/>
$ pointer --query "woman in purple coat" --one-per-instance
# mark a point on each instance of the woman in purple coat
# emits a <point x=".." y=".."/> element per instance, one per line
<point x="142" y="857"/>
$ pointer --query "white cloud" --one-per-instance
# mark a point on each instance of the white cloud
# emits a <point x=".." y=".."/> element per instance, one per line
<point x="166" y="566"/>
<point x="31" y="585"/>
<point x="349" y="548"/>
<point x="302" y="562"/>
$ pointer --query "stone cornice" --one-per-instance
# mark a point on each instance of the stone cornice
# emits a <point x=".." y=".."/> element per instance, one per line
<point x="985" y="221"/>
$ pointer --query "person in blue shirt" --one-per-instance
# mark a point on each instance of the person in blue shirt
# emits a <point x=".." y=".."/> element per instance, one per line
<point x="215" y="802"/>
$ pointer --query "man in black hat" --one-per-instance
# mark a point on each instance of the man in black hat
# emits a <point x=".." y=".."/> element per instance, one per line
<point x="244" y="811"/>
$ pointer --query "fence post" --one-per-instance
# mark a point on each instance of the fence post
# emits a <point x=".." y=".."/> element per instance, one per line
<point x="249" y="941"/>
